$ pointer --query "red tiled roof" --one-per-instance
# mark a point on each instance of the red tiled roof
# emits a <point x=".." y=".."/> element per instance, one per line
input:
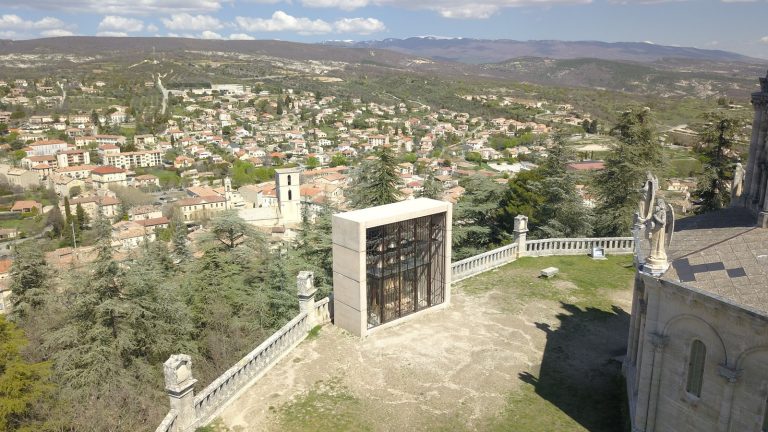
<point x="108" y="169"/>
<point x="153" y="222"/>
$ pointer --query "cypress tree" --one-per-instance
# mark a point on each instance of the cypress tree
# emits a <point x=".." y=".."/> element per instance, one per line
<point x="375" y="181"/>
<point x="718" y="136"/>
<point x="617" y="186"/>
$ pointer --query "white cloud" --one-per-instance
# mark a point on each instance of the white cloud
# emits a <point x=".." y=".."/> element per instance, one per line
<point x="210" y="35"/>
<point x="241" y="36"/>
<point x="152" y="28"/>
<point x="764" y="39"/>
<point x="122" y="7"/>
<point x="56" y="33"/>
<point x="281" y="21"/>
<point x="340" y="4"/>
<point x="121" y="24"/>
<point x="185" y="21"/>
<point x="461" y="9"/>
<point x="470" y="11"/>
<point x="15" y="22"/>
<point x="112" y="34"/>
<point x="362" y="26"/>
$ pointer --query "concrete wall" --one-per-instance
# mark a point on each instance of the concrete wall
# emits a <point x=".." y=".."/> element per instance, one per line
<point x="349" y="254"/>
<point x="666" y="319"/>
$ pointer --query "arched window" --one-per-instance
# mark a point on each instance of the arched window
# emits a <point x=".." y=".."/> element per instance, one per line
<point x="696" y="368"/>
<point x="289" y="181"/>
<point x="290" y="195"/>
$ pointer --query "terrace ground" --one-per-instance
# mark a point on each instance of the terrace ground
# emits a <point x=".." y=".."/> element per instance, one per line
<point x="512" y="353"/>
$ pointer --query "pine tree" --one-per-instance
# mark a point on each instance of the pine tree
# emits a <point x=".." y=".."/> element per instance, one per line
<point x="523" y="196"/>
<point x="158" y="319"/>
<point x="229" y="230"/>
<point x="432" y="188"/>
<point x="718" y="136"/>
<point x="561" y="211"/>
<point x="375" y="181"/>
<point x="21" y="383"/>
<point x="476" y="226"/>
<point x="181" y="250"/>
<point x="29" y="279"/>
<point x="637" y="152"/>
<point x="94" y="346"/>
<point x="313" y="249"/>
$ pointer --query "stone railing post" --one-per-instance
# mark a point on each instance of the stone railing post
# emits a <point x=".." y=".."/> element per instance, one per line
<point x="179" y="384"/>
<point x="305" y="285"/>
<point x="521" y="232"/>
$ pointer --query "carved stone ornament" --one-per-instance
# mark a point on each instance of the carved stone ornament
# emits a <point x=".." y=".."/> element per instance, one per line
<point x="178" y="372"/>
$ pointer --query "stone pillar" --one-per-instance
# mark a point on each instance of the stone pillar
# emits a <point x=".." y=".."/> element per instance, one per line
<point x="659" y="342"/>
<point x="648" y="355"/>
<point x="638" y="309"/>
<point x="305" y="287"/>
<point x="179" y="384"/>
<point x="521" y="232"/>
<point x="731" y="375"/>
<point x="757" y="158"/>
<point x="752" y="174"/>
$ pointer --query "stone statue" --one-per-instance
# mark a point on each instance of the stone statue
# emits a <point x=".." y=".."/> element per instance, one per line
<point x="738" y="182"/>
<point x="655" y="218"/>
<point x="647" y="197"/>
<point x="659" y="228"/>
<point x="656" y="230"/>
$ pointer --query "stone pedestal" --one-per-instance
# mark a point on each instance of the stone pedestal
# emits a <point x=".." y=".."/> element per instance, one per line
<point x="762" y="219"/>
<point x="521" y="233"/>
<point x="305" y="287"/>
<point x="180" y="385"/>
<point x="655" y="267"/>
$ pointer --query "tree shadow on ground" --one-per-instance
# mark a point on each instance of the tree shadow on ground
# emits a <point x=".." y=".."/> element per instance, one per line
<point x="580" y="371"/>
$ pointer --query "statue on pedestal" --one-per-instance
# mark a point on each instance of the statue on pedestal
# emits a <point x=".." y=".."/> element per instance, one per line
<point x="657" y="218"/>
<point x="737" y="187"/>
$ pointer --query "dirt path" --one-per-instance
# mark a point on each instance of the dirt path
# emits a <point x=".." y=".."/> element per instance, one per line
<point x="459" y="363"/>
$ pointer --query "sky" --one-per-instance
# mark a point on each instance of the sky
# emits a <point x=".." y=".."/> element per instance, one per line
<point x="734" y="25"/>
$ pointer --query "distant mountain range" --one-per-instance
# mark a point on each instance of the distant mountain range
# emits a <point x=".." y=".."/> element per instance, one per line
<point x="476" y="51"/>
<point x="641" y="68"/>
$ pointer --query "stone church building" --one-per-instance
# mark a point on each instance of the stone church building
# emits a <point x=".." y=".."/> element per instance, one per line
<point x="697" y="356"/>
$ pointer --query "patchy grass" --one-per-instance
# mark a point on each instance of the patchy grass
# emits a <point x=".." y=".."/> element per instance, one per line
<point x="327" y="406"/>
<point x="27" y="226"/>
<point x="314" y="332"/>
<point x="216" y="426"/>
<point x="582" y="281"/>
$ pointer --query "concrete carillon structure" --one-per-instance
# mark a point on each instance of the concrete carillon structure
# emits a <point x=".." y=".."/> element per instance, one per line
<point x="697" y="356"/>
<point x="390" y="262"/>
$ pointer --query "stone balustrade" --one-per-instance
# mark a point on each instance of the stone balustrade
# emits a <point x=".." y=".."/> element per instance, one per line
<point x="492" y="259"/>
<point x="323" y="311"/>
<point x="206" y="405"/>
<point x="578" y="246"/>
<point x="168" y="422"/>
<point x="483" y="262"/>
<point x="250" y="368"/>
